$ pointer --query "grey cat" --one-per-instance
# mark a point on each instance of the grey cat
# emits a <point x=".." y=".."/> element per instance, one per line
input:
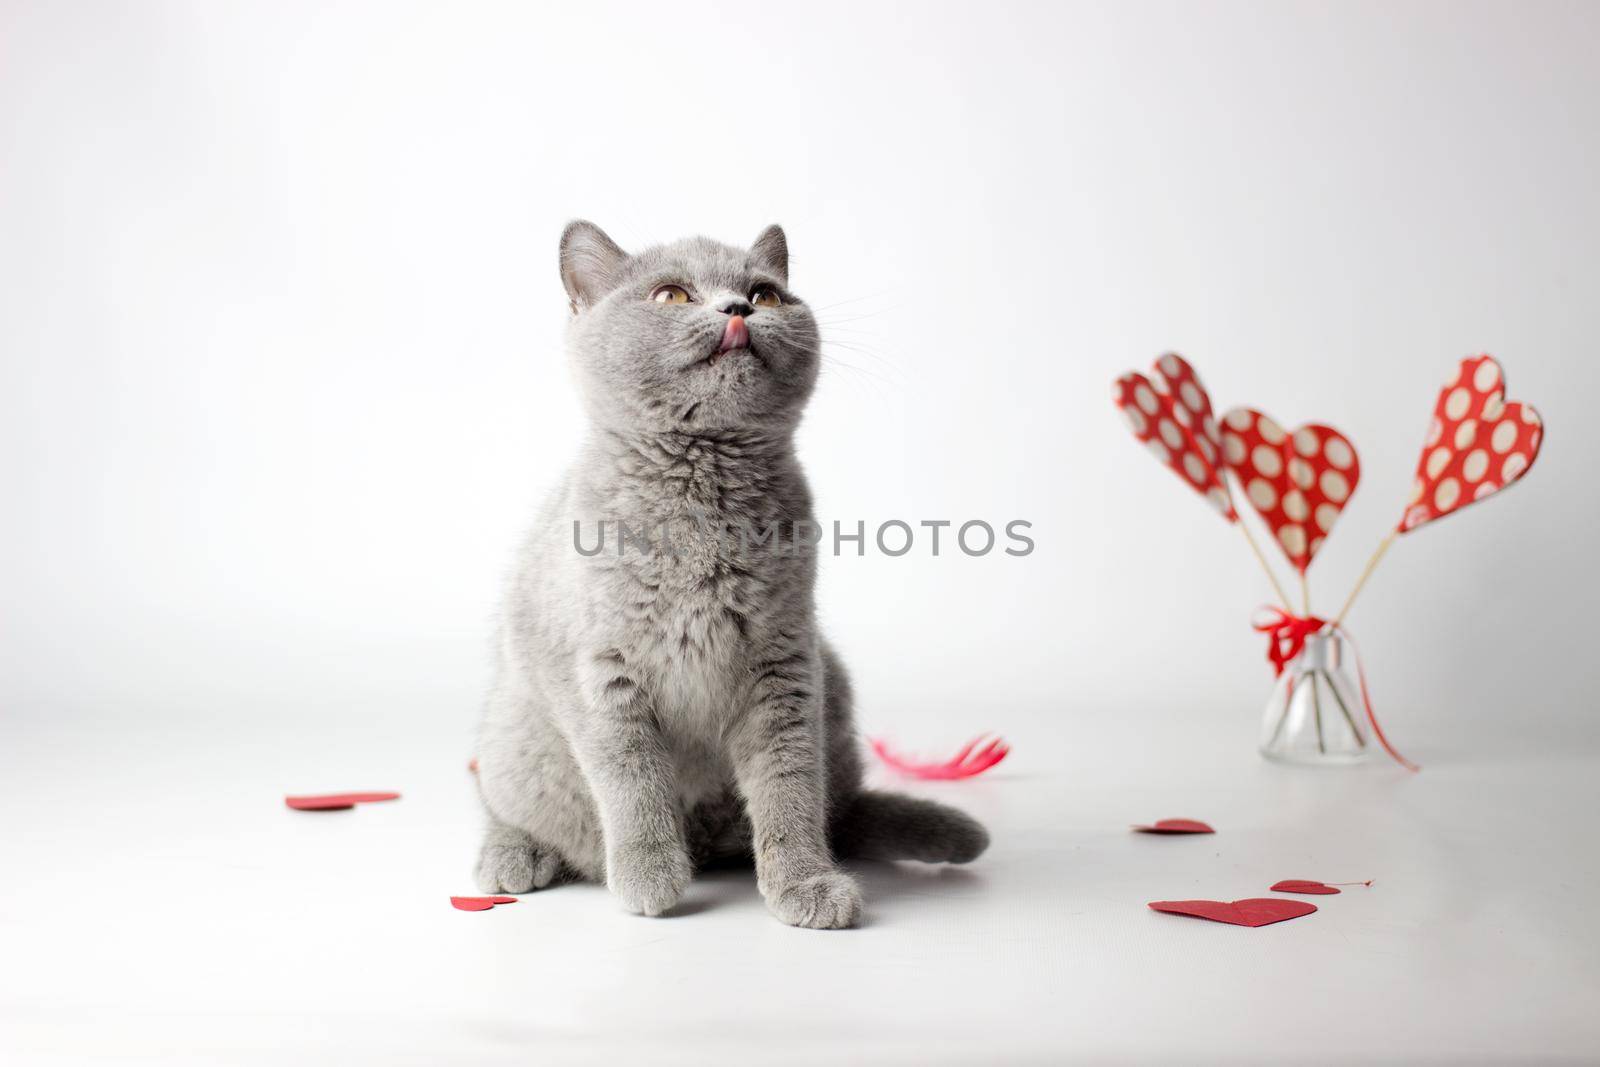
<point x="658" y="708"/>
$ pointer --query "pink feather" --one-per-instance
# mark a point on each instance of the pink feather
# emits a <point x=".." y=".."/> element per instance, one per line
<point x="972" y="759"/>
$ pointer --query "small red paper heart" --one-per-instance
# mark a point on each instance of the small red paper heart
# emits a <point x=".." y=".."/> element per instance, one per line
<point x="1306" y="885"/>
<point x="1302" y="885"/>
<point x="1172" y="418"/>
<point x="1477" y="445"/>
<point x="1256" y="911"/>
<point x="1297" y="482"/>
<point x="1176" y="826"/>
<point x="479" y="903"/>
<point x="336" y="801"/>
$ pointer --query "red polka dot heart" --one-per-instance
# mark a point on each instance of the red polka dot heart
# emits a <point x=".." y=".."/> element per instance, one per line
<point x="1298" y="482"/>
<point x="1477" y="445"/>
<point x="1171" y="416"/>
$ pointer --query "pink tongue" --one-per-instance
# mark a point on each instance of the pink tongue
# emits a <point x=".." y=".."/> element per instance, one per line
<point x="735" y="335"/>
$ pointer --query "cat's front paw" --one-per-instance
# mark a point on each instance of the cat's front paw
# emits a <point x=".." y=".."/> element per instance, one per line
<point x="649" y="878"/>
<point x="516" y="868"/>
<point x="829" y="901"/>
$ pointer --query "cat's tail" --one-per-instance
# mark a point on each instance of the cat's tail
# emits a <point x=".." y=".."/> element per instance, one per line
<point x="889" y="826"/>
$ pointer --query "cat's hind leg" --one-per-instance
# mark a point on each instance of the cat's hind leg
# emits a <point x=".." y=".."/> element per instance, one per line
<point x="889" y="826"/>
<point x="542" y="825"/>
<point x="511" y="861"/>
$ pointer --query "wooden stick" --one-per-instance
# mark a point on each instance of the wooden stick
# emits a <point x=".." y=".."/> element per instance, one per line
<point x="1288" y="700"/>
<point x="1372" y="565"/>
<point x="1354" y="729"/>
<point x="1283" y="597"/>
<point x="1305" y="596"/>
<point x="1316" y="710"/>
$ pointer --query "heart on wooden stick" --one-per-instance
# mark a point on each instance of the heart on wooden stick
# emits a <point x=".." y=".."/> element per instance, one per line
<point x="1477" y="444"/>
<point x="1297" y="482"/>
<point x="1171" y="415"/>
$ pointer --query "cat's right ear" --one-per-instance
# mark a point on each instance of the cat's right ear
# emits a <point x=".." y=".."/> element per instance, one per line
<point x="590" y="262"/>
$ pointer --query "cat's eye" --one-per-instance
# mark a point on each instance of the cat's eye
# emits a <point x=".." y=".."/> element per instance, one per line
<point x="670" y="294"/>
<point x="765" y="296"/>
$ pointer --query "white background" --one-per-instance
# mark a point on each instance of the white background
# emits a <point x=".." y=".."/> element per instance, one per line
<point x="281" y="378"/>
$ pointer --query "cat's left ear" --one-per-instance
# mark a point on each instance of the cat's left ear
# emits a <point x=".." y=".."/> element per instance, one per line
<point x="771" y="251"/>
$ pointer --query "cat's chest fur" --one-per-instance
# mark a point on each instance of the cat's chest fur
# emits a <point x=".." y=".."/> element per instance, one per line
<point x="720" y="578"/>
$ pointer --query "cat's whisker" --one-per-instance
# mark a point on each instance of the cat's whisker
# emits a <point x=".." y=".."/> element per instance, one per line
<point x="815" y="308"/>
<point x="844" y="319"/>
<point x="866" y="339"/>
<point x="843" y="369"/>
<point x="866" y="351"/>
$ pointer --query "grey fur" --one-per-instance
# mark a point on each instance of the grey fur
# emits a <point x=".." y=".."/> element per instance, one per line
<point x="655" y="711"/>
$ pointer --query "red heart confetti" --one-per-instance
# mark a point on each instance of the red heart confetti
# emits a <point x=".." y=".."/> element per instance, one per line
<point x="479" y="903"/>
<point x="1304" y="885"/>
<point x="1176" y="826"/>
<point x="972" y="759"/>
<point x="1297" y="482"/>
<point x="1256" y="911"/>
<point x="336" y="801"/>
<point x="1172" y="418"/>
<point x="472" y="764"/>
<point x="1477" y="445"/>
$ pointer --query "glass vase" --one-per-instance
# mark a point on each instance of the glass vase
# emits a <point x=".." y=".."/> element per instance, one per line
<point x="1314" y="713"/>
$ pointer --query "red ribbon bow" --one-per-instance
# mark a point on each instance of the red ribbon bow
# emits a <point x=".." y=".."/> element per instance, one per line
<point x="1286" y="636"/>
<point x="1286" y="639"/>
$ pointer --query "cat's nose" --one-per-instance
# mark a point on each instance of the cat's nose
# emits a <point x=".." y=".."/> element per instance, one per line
<point x="736" y="307"/>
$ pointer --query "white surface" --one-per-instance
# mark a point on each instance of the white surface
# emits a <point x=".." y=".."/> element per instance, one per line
<point x="280" y="380"/>
<point x="167" y="908"/>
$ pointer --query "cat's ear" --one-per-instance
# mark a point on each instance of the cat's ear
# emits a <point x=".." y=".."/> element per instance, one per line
<point x="771" y="250"/>
<point x="589" y="263"/>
